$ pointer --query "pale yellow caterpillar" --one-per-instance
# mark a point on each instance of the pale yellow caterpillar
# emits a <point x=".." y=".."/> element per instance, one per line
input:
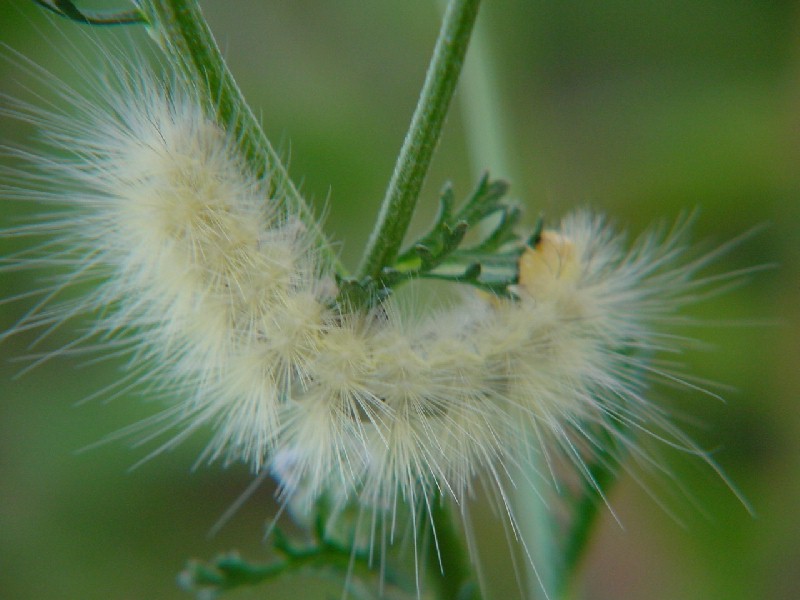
<point x="216" y="290"/>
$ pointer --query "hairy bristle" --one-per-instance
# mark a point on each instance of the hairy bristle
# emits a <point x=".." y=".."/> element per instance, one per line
<point x="214" y="287"/>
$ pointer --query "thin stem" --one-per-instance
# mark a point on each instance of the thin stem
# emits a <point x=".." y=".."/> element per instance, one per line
<point x="537" y="527"/>
<point x="231" y="572"/>
<point x="421" y="139"/>
<point x="181" y="29"/>
<point x="486" y="127"/>
<point x="488" y="145"/>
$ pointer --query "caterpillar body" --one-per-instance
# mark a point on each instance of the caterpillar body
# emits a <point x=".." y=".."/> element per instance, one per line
<point x="214" y="286"/>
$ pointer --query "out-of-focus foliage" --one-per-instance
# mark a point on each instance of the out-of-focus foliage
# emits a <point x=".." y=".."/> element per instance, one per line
<point x="639" y="108"/>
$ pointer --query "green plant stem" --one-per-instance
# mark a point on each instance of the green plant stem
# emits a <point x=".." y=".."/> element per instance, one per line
<point x="420" y="141"/>
<point x="182" y="31"/>
<point x="453" y="577"/>
<point x="488" y="145"/>
<point x="485" y="125"/>
<point x="231" y="572"/>
<point x="538" y="529"/>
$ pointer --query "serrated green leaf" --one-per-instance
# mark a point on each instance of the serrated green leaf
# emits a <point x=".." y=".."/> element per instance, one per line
<point x="438" y="254"/>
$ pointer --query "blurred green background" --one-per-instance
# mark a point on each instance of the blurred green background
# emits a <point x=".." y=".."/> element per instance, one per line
<point x="638" y="108"/>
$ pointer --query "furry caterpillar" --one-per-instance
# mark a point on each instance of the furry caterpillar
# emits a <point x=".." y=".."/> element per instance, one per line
<point x="216" y="289"/>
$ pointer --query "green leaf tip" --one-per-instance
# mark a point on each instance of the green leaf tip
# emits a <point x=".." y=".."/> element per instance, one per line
<point x="320" y="557"/>
<point x="439" y="254"/>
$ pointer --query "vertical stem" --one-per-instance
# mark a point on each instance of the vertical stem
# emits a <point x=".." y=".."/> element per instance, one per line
<point x="179" y="26"/>
<point x="486" y="128"/>
<point x="537" y="528"/>
<point x="421" y="139"/>
<point x="488" y="140"/>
